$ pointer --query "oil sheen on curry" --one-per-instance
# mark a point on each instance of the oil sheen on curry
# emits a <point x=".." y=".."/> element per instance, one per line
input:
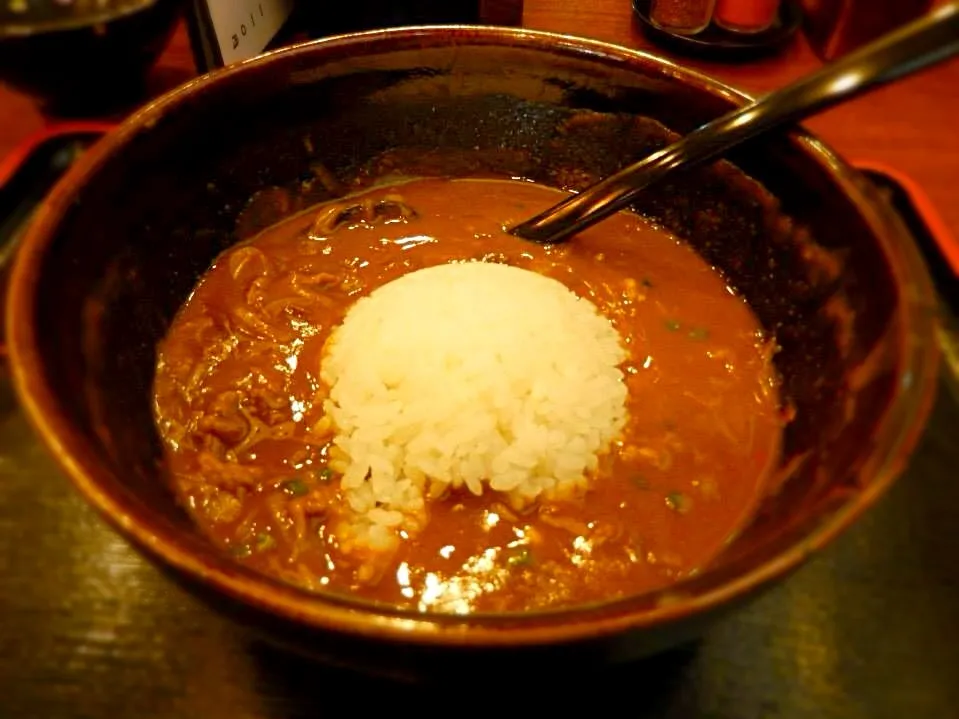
<point x="392" y="398"/>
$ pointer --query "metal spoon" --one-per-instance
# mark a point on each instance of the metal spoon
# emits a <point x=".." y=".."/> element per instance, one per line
<point x="916" y="46"/>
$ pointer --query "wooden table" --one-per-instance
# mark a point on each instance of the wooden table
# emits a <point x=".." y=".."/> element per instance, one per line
<point x="909" y="126"/>
<point x="869" y="630"/>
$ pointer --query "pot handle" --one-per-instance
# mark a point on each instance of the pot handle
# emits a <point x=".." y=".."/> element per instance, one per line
<point x="26" y="176"/>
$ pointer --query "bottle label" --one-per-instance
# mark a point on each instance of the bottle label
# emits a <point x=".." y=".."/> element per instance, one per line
<point x="243" y="28"/>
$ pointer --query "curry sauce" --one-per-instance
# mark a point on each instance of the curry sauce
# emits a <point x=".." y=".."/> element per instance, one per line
<point x="239" y="405"/>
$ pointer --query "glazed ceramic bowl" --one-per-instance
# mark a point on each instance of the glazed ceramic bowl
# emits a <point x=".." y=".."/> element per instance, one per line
<point x="123" y="238"/>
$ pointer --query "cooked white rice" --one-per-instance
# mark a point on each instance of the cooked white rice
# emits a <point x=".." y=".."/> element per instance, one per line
<point x="468" y="377"/>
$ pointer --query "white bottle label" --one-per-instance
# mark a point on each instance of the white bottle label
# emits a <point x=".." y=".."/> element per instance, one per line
<point x="244" y="28"/>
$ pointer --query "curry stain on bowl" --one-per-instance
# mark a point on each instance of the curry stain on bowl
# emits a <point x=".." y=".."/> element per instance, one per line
<point x="822" y="264"/>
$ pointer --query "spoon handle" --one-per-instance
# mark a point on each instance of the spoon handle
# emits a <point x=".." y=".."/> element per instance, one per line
<point x="916" y="46"/>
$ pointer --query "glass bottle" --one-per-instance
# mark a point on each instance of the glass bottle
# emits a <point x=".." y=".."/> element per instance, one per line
<point x="746" y="16"/>
<point x="683" y="17"/>
<point x="836" y="27"/>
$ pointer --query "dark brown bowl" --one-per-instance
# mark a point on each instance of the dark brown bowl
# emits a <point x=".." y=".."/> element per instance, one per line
<point x="122" y="239"/>
<point x="78" y="58"/>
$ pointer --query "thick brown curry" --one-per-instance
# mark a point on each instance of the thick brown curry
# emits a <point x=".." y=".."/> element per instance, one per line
<point x="238" y="403"/>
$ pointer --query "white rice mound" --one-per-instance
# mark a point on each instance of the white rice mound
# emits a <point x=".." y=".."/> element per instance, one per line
<point x="468" y="377"/>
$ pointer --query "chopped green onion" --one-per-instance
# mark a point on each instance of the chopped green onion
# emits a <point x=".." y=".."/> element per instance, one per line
<point x="241" y="551"/>
<point x="520" y="557"/>
<point x="640" y="481"/>
<point x="295" y="487"/>
<point x="672" y="325"/>
<point x="698" y="333"/>
<point x="678" y="502"/>
<point x="265" y="541"/>
<point x="326" y="474"/>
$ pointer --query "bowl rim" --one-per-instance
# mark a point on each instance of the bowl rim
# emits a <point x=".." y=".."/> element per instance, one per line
<point x="895" y="438"/>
